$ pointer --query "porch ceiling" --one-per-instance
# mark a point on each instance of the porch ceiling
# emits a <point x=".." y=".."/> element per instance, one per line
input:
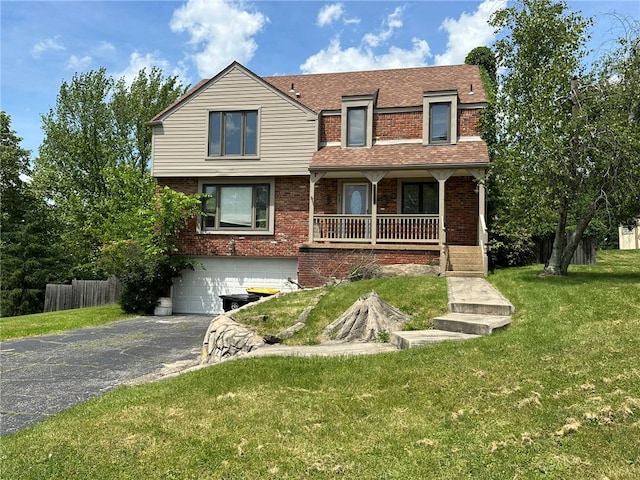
<point x="405" y="156"/>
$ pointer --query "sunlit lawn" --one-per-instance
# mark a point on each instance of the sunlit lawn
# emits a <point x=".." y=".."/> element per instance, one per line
<point x="55" y="322"/>
<point x="556" y="396"/>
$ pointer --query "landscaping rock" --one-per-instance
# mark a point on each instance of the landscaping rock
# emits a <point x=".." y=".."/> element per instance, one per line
<point x="226" y="338"/>
<point x="368" y="320"/>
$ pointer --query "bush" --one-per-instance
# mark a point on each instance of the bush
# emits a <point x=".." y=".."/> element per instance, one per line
<point x="145" y="276"/>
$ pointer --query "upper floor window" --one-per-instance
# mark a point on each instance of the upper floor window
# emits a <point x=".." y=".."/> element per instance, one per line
<point x="356" y="121"/>
<point x="440" y="117"/>
<point x="356" y="126"/>
<point x="440" y="122"/>
<point x="420" y="198"/>
<point x="235" y="207"/>
<point x="233" y="133"/>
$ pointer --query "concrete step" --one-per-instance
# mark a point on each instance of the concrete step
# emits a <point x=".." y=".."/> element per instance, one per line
<point x="473" y="324"/>
<point x="418" y="338"/>
<point x="476" y="296"/>
<point x="465" y="259"/>
<point x="462" y="273"/>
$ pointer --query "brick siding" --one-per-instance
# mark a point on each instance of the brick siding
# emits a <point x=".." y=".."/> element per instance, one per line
<point x="291" y="224"/>
<point x="461" y="204"/>
<point x="469" y="123"/>
<point x="316" y="266"/>
<point x="399" y="126"/>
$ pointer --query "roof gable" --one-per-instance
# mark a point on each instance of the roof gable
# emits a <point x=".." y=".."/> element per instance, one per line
<point x="206" y="83"/>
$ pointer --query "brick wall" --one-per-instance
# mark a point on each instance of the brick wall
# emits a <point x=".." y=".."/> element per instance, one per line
<point x="316" y="266"/>
<point x="399" y="126"/>
<point x="469" y="123"/>
<point x="291" y="224"/>
<point x="330" y="128"/>
<point x="461" y="204"/>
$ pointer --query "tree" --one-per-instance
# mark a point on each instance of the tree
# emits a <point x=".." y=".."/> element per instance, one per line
<point x="485" y="58"/>
<point x="93" y="163"/>
<point x="565" y="149"/>
<point x="31" y="256"/>
<point x="134" y="106"/>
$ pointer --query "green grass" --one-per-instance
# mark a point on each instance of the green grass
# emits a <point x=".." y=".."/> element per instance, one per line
<point x="55" y="322"/>
<point x="421" y="297"/>
<point x="554" y="396"/>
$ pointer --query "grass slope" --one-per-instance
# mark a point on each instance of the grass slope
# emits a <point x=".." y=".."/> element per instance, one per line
<point x="56" y="322"/>
<point x="556" y="395"/>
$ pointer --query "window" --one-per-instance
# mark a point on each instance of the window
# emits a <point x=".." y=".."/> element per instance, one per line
<point x="237" y="207"/>
<point x="356" y="126"/>
<point x="356" y="121"/>
<point x="233" y="133"/>
<point x="439" y="122"/>
<point x="420" y="198"/>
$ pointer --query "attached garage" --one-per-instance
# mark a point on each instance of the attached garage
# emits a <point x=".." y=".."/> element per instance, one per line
<point x="199" y="291"/>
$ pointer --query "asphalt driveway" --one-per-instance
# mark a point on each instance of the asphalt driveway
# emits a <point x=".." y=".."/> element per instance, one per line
<point x="40" y="376"/>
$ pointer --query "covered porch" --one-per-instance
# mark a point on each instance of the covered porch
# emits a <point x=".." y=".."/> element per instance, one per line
<point x="428" y="205"/>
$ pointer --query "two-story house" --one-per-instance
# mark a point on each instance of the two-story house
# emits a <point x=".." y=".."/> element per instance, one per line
<point x="311" y="176"/>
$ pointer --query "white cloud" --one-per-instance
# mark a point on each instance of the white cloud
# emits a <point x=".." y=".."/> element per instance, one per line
<point x="104" y="47"/>
<point x="469" y="31"/>
<point x="223" y="31"/>
<point x="392" y="23"/>
<point x="336" y="59"/>
<point x="79" y="64"/>
<point x="137" y="62"/>
<point x="45" y="46"/>
<point x="329" y="14"/>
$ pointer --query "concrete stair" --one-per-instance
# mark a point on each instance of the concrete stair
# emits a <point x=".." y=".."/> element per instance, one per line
<point x="476" y="308"/>
<point x="465" y="261"/>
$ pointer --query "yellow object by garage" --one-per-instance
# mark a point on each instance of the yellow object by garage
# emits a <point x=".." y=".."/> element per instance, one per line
<point x="263" y="292"/>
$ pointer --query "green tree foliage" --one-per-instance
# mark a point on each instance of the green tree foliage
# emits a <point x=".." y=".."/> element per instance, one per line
<point x="485" y="58"/>
<point x="94" y="161"/>
<point x="133" y="106"/>
<point x="31" y="255"/>
<point x="564" y="149"/>
<point x="147" y="265"/>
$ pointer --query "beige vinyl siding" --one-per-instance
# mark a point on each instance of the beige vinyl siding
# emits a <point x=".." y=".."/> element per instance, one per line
<point x="287" y="135"/>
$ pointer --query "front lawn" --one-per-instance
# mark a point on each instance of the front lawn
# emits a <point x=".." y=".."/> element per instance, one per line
<point x="60" y="321"/>
<point x="556" y="396"/>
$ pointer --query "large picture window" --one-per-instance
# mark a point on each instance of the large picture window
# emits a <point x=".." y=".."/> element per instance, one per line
<point x="236" y="207"/>
<point x="420" y="198"/>
<point x="439" y="123"/>
<point x="233" y="133"/>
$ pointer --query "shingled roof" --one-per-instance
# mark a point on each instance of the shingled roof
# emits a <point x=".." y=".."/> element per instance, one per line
<point x="402" y="87"/>
<point x="401" y="156"/>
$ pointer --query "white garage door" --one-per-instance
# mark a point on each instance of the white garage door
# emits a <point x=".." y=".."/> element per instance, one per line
<point x="199" y="291"/>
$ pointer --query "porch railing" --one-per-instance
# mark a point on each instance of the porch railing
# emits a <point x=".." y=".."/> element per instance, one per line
<point x="389" y="228"/>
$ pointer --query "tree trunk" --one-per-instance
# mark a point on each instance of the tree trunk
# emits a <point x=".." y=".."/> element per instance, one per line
<point x="554" y="265"/>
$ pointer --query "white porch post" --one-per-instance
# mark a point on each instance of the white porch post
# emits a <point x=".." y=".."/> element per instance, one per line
<point x="314" y="177"/>
<point x="374" y="178"/>
<point x="442" y="175"/>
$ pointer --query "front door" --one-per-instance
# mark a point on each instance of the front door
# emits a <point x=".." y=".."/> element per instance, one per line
<point x="355" y="198"/>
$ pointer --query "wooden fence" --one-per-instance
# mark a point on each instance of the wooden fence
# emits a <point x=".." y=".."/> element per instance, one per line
<point x="81" y="294"/>
<point x="585" y="254"/>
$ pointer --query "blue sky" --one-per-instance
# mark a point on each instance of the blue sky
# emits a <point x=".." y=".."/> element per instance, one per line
<point x="46" y="42"/>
